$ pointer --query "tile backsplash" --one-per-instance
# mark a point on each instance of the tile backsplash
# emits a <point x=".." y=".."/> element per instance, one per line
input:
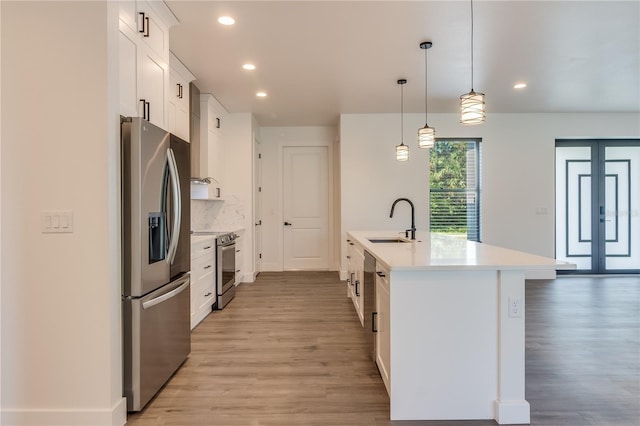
<point x="217" y="214"/>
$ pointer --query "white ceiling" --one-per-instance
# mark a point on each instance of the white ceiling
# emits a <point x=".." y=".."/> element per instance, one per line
<point x="317" y="59"/>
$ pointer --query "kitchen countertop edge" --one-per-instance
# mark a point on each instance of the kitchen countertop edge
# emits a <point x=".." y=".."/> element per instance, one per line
<point x="426" y="254"/>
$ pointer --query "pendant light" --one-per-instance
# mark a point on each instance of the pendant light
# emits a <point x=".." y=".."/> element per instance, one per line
<point x="426" y="135"/>
<point x="402" y="150"/>
<point x="472" y="106"/>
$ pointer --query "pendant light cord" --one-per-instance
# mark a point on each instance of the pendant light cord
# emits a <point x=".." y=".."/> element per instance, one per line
<point x="426" y="87"/>
<point x="472" y="45"/>
<point x="402" y="114"/>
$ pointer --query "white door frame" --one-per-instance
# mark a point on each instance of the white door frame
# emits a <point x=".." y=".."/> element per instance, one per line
<point x="257" y="208"/>
<point x="280" y="213"/>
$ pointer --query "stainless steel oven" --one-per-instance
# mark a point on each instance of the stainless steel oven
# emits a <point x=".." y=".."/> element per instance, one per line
<point x="226" y="268"/>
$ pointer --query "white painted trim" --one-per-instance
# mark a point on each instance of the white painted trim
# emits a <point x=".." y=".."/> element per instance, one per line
<point x="511" y="406"/>
<point x="512" y="412"/>
<point x="176" y="64"/>
<point x="116" y="416"/>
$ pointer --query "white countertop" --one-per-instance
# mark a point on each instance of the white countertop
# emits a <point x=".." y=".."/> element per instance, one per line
<point x="217" y="230"/>
<point x="431" y="251"/>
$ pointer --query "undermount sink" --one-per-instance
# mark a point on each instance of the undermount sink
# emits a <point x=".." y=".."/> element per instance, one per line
<point x="388" y="240"/>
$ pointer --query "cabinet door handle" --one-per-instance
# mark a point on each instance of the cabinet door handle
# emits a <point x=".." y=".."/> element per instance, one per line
<point x="217" y="123"/>
<point x="142" y="15"/>
<point x="287" y="224"/>
<point x="145" y="25"/>
<point x="178" y="91"/>
<point x="351" y="282"/>
<point x="348" y="257"/>
<point x="208" y="294"/>
<point x="144" y="109"/>
<point x="380" y="274"/>
<point x="374" y="316"/>
<point x="207" y="267"/>
<point x="207" y="248"/>
<point x="357" y="288"/>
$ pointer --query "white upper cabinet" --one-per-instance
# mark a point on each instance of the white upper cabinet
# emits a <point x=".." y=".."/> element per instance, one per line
<point x="178" y="98"/>
<point x="212" y="115"/>
<point x="144" y="59"/>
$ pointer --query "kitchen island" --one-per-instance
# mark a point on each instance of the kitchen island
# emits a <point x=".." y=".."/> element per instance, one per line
<point x="450" y="340"/>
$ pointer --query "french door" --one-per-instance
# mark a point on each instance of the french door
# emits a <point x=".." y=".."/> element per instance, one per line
<point x="598" y="205"/>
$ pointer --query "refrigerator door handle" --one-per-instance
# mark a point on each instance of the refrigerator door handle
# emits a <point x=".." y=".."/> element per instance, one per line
<point x="177" y="213"/>
<point x="157" y="300"/>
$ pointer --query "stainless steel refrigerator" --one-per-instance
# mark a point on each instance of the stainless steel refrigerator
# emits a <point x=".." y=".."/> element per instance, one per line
<point x="156" y="258"/>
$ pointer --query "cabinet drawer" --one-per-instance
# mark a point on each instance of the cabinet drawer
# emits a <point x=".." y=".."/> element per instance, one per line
<point x="382" y="276"/>
<point x="202" y="266"/>
<point x="202" y="247"/>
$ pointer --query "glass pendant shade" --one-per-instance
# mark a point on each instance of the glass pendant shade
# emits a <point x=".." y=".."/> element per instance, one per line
<point x="402" y="152"/>
<point x="472" y="108"/>
<point x="426" y="137"/>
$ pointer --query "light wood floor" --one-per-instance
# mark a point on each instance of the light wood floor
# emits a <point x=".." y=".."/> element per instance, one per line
<point x="289" y="350"/>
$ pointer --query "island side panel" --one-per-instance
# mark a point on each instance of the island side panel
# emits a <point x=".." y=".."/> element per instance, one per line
<point x="444" y="344"/>
<point x="511" y="406"/>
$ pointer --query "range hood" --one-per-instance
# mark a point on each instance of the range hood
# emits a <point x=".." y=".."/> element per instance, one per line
<point x="202" y="180"/>
<point x="200" y="188"/>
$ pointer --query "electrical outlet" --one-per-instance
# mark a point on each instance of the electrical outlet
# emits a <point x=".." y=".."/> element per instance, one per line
<point x="515" y="307"/>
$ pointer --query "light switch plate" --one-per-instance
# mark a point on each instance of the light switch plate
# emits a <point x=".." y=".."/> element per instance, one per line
<point x="58" y="221"/>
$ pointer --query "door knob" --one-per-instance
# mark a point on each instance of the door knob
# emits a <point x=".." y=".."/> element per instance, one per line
<point x="287" y="224"/>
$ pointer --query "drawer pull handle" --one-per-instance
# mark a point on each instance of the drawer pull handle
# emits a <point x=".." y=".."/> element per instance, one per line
<point x="207" y="248"/>
<point x="380" y="274"/>
<point x="208" y="294"/>
<point x="207" y="267"/>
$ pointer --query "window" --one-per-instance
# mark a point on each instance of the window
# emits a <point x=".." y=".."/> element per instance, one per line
<point x="454" y="195"/>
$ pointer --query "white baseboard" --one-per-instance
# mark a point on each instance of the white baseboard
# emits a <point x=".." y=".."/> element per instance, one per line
<point x="512" y="412"/>
<point x="116" y="416"/>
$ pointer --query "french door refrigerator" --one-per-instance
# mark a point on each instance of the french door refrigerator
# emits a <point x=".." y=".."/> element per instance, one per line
<point x="156" y="258"/>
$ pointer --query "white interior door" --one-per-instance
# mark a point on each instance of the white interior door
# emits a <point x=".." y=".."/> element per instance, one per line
<point x="306" y="208"/>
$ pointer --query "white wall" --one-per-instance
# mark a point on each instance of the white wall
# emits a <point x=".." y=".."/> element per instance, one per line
<point x="518" y="170"/>
<point x="61" y="344"/>
<point x="272" y="141"/>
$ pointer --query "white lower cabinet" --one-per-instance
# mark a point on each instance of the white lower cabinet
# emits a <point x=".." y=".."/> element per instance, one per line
<point x="239" y="258"/>
<point x="203" y="277"/>
<point x="355" y="259"/>
<point x="383" y="326"/>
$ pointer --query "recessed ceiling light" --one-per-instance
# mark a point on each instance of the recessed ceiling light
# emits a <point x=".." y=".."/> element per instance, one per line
<point x="520" y="85"/>
<point x="249" y="67"/>
<point x="226" y="20"/>
<point x="261" y="94"/>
